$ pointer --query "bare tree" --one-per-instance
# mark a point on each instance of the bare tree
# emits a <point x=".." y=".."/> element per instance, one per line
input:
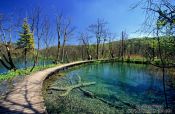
<point x="104" y="39"/>
<point x="5" y="42"/>
<point x="123" y="45"/>
<point x="110" y="43"/>
<point x="38" y="31"/>
<point x="47" y="38"/>
<point x="67" y="33"/>
<point x="59" y="33"/>
<point x="84" y="37"/>
<point x="99" y="30"/>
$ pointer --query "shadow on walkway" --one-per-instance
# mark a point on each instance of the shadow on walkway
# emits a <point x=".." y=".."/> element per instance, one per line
<point x="19" y="101"/>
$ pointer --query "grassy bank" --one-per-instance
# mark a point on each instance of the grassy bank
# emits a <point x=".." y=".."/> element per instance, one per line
<point x="126" y="60"/>
<point x="23" y="72"/>
<point x="133" y="59"/>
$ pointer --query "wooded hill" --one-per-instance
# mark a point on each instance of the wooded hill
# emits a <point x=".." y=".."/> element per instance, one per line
<point x="133" y="48"/>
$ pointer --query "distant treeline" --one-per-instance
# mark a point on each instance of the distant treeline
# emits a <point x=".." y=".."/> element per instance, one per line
<point x="136" y="47"/>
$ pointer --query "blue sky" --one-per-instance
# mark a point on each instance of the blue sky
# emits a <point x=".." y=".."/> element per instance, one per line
<point x="117" y="13"/>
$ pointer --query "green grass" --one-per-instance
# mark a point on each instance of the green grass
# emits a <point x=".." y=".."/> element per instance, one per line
<point x="23" y="72"/>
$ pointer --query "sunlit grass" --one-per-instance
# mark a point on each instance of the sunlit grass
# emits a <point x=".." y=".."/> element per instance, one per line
<point x="23" y="72"/>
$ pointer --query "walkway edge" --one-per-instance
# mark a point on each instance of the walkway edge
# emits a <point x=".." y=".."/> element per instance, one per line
<point x="26" y="96"/>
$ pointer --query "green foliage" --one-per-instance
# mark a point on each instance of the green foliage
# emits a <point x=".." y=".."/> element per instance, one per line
<point x="173" y="21"/>
<point x="26" y="40"/>
<point x="157" y="62"/>
<point x="161" y="23"/>
<point x="22" y="72"/>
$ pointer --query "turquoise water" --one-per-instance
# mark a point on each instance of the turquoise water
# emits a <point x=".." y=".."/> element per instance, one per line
<point x="127" y="88"/>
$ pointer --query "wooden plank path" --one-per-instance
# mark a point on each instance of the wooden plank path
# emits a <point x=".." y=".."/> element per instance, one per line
<point x="26" y="97"/>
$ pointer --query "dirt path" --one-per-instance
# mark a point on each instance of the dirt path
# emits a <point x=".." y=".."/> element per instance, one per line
<point x="26" y="97"/>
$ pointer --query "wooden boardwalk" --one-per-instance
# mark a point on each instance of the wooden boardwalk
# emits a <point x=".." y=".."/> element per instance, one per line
<point x="26" y="97"/>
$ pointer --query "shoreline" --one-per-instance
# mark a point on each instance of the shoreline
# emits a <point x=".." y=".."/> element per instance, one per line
<point x="26" y="96"/>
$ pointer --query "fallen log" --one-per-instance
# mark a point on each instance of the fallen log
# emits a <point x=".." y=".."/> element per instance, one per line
<point x="92" y="95"/>
<point x="70" y="88"/>
<point x="80" y="84"/>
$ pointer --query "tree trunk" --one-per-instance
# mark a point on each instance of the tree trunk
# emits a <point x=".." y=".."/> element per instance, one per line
<point x="122" y="53"/>
<point x="153" y="53"/>
<point x="111" y="54"/>
<point x="97" y="48"/>
<point x="34" y="63"/>
<point x="58" y="50"/>
<point x="67" y="58"/>
<point x="62" y="56"/>
<point x="163" y="69"/>
<point x="44" y="61"/>
<point x="82" y="52"/>
<point x="25" y="52"/>
<point x="3" y="63"/>
<point x="102" y="53"/>
<point x="37" y="54"/>
<point x="89" y="56"/>
<point x="8" y="60"/>
<point x="87" y="49"/>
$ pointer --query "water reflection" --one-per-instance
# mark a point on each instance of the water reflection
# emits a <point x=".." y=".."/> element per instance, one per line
<point x="133" y="80"/>
<point x="124" y="84"/>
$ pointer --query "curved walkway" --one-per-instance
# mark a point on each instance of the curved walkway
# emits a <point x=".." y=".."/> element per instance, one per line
<point x="26" y="97"/>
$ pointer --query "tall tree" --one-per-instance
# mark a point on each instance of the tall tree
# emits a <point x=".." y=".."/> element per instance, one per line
<point x="47" y="38"/>
<point x="84" y="37"/>
<point x="123" y="46"/>
<point x="37" y="28"/>
<point x="110" y="44"/>
<point x="99" y="30"/>
<point x="67" y="33"/>
<point x="26" y="40"/>
<point x="103" y="45"/>
<point x="59" y="33"/>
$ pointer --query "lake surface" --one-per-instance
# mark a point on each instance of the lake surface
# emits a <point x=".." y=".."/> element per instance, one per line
<point x="19" y="63"/>
<point x="119" y="88"/>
